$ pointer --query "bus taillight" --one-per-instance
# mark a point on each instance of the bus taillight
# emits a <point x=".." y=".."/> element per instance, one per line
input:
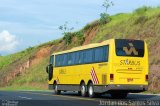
<point x="146" y="77"/>
<point x="111" y="77"/>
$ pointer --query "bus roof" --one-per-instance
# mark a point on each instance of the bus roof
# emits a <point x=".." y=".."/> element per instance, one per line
<point x="85" y="47"/>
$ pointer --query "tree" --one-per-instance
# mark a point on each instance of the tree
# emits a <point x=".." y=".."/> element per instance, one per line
<point x="105" y="17"/>
<point x="106" y="4"/>
<point x="66" y="31"/>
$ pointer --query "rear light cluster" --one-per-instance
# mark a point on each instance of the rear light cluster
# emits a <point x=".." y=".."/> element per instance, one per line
<point x="146" y="78"/>
<point x="111" y="77"/>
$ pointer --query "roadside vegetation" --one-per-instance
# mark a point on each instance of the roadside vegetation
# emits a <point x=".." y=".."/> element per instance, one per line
<point x="6" y="60"/>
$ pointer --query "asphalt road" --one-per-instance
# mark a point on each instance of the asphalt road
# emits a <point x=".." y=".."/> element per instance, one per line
<point x="40" y="98"/>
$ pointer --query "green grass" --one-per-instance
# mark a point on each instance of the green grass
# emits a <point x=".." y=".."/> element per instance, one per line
<point x="132" y="25"/>
<point x="35" y="75"/>
<point x="10" y="62"/>
<point x="6" y="60"/>
<point x="35" y="78"/>
<point x="14" y="88"/>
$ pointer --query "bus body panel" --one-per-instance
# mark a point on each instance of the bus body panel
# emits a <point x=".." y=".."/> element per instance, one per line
<point x="75" y="74"/>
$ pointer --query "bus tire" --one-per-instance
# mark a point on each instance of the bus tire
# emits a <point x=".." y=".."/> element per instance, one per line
<point x="83" y="90"/>
<point x="91" y="92"/>
<point x="56" y="91"/>
<point x="119" y="95"/>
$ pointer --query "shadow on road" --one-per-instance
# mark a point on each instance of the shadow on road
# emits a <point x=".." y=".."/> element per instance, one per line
<point x="107" y="96"/>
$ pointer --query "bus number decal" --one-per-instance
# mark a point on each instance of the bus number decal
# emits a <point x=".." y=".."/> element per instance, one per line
<point x="94" y="76"/>
<point x="129" y="79"/>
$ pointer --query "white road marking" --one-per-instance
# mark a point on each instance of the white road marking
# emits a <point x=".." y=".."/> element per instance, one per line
<point x="70" y="97"/>
<point x="24" y="97"/>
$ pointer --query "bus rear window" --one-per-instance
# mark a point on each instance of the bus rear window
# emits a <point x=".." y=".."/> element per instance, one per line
<point x="132" y="48"/>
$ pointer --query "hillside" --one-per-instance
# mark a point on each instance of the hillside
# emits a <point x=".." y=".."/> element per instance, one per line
<point x="26" y="69"/>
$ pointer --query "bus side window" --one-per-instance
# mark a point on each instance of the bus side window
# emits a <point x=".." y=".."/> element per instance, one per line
<point x="65" y="60"/>
<point x="80" y="61"/>
<point x="52" y="60"/>
<point x="69" y="59"/>
<point x="76" y="61"/>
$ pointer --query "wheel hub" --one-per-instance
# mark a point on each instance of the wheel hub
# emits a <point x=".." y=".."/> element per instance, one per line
<point x="90" y="90"/>
<point x="83" y="89"/>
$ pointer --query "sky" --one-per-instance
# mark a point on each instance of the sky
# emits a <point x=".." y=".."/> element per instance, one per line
<point x="26" y="23"/>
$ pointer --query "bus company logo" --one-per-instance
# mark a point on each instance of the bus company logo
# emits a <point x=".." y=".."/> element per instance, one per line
<point x="130" y="62"/>
<point x="131" y="50"/>
<point x="127" y="62"/>
<point x="94" y="76"/>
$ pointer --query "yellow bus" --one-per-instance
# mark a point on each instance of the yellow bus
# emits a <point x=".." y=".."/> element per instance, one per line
<point x="115" y="66"/>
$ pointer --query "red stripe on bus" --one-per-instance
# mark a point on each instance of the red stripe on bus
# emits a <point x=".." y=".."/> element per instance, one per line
<point x="94" y="76"/>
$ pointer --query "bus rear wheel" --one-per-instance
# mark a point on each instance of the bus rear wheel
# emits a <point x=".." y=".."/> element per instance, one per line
<point x="56" y="91"/>
<point x="91" y="92"/>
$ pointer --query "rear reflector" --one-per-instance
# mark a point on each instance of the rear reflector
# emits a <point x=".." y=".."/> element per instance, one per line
<point x="146" y="77"/>
<point x="111" y="77"/>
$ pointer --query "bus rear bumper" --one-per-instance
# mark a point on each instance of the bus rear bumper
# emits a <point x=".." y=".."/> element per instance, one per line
<point x="127" y="88"/>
